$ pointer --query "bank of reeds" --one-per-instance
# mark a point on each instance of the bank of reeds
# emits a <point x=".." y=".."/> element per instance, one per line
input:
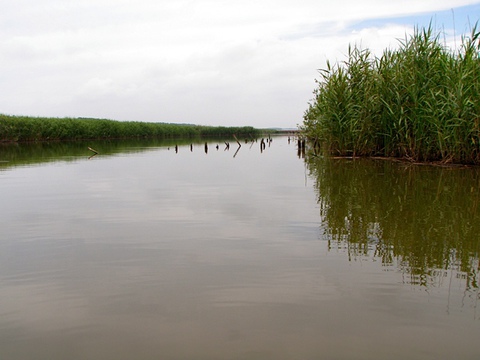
<point x="20" y="128"/>
<point x="421" y="101"/>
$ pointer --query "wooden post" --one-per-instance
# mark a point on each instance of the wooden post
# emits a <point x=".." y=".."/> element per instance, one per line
<point x="238" y="142"/>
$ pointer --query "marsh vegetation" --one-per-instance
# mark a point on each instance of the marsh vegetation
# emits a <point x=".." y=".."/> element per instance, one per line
<point x="420" y="101"/>
<point x="25" y="128"/>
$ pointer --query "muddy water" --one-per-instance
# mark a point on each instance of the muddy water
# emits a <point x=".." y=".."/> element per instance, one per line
<point x="144" y="252"/>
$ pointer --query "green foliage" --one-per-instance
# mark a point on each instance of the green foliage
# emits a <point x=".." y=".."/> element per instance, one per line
<point x="420" y="101"/>
<point x="19" y="128"/>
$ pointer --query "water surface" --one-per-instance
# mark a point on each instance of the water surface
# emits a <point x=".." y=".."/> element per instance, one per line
<point x="145" y="252"/>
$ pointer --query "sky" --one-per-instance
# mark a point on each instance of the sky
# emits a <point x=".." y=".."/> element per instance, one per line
<point x="206" y="62"/>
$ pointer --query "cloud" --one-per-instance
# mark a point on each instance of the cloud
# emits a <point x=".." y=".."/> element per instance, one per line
<point x="208" y="62"/>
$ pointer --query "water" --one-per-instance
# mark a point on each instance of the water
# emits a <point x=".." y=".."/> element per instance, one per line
<point x="142" y="252"/>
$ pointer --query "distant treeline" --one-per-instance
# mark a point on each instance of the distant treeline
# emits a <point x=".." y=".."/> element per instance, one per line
<point x="21" y="128"/>
<point x="421" y="102"/>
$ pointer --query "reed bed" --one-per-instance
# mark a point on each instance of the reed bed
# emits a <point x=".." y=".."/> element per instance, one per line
<point x="421" y="101"/>
<point x="19" y="128"/>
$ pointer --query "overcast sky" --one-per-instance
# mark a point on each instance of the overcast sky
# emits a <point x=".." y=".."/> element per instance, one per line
<point x="209" y="62"/>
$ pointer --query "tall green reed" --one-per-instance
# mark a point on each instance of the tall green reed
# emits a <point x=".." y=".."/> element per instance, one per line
<point x="21" y="128"/>
<point x="420" y="101"/>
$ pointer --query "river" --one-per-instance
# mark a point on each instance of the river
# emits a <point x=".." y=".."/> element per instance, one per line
<point x="177" y="250"/>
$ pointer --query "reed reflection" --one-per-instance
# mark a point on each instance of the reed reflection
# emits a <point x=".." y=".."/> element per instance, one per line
<point x="30" y="153"/>
<point x="422" y="219"/>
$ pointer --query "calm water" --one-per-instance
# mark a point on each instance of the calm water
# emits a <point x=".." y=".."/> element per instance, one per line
<point x="142" y="252"/>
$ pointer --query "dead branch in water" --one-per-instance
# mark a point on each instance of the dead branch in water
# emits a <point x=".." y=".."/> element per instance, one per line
<point x="238" y="142"/>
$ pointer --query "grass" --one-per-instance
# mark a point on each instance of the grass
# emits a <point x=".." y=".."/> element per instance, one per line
<point x="421" y="102"/>
<point x="21" y="129"/>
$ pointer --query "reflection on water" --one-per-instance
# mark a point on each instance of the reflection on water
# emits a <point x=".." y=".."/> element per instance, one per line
<point x="14" y="154"/>
<point x="424" y="220"/>
<point x="195" y="250"/>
